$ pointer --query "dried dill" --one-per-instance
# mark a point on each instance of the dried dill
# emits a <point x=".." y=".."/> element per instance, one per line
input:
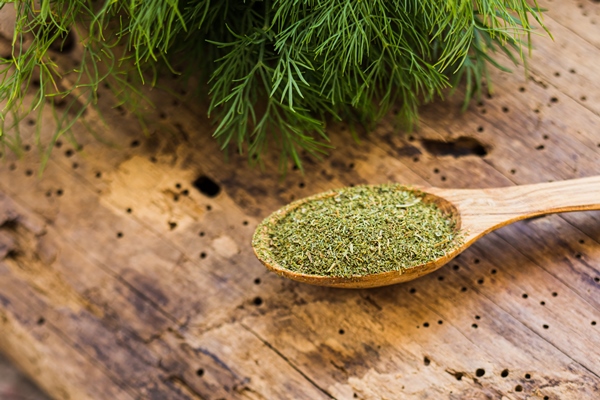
<point x="359" y="231"/>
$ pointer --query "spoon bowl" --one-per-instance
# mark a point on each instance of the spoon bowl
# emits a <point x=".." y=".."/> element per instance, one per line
<point x="475" y="212"/>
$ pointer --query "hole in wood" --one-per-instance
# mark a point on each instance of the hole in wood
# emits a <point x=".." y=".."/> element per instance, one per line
<point x="201" y="234"/>
<point x="524" y="295"/>
<point x="172" y="225"/>
<point x="41" y="321"/>
<point x="200" y="372"/>
<point x="203" y="255"/>
<point x="527" y="376"/>
<point x="504" y="373"/>
<point x="426" y="361"/>
<point x="458" y="375"/>
<point x="341" y="331"/>
<point x="474" y="326"/>
<point x="426" y="324"/>
<point x="257" y="301"/>
<point x="59" y="192"/>
<point x="545" y="326"/>
<point x="134" y="143"/>
<point x="206" y="186"/>
<point x="480" y="372"/>
<point x="554" y="99"/>
<point x="413" y="290"/>
<point x="257" y="281"/>
<point x="518" y="388"/>
<point x="462" y="146"/>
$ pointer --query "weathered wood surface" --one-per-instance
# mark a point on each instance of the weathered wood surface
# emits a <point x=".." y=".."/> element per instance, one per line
<point x="119" y="279"/>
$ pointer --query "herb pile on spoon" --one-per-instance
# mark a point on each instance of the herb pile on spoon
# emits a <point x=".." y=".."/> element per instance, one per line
<point x="359" y="231"/>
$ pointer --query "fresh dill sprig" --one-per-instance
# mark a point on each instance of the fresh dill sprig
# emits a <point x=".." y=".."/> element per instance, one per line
<point x="276" y="69"/>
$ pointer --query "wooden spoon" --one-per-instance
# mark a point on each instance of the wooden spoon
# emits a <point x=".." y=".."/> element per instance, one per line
<point x="477" y="212"/>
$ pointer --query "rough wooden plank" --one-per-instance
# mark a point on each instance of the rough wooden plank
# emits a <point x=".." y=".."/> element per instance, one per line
<point x="255" y="335"/>
<point x="32" y="343"/>
<point x="580" y="17"/>
<point x="67" y="278"/>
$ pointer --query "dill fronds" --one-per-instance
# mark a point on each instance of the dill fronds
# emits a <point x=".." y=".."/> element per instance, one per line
<point x="276" y="69"/>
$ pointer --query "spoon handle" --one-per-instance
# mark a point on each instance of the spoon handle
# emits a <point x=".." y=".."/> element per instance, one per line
<point x="483" y="210"/>
<point x="551" y="197"/>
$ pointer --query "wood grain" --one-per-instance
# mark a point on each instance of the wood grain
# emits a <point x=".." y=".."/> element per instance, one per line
<point x="120" y="279"/>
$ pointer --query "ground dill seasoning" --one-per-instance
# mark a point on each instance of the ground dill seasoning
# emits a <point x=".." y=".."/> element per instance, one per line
<point x="358" y="231"/>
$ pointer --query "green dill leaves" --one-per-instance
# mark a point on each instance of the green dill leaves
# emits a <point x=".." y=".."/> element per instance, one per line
<point x="276" y="70"/>
<point x="358" y="231"/>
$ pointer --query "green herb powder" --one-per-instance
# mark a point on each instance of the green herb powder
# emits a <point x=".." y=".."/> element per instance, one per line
<point x="359" y="231"/>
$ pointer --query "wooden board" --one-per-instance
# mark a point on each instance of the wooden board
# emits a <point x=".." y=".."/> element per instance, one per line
<point x="119" y="278"/>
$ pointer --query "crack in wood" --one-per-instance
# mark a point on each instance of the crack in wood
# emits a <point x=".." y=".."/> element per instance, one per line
<point x="287" y="361"/>
<point x="180" y="384"/>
